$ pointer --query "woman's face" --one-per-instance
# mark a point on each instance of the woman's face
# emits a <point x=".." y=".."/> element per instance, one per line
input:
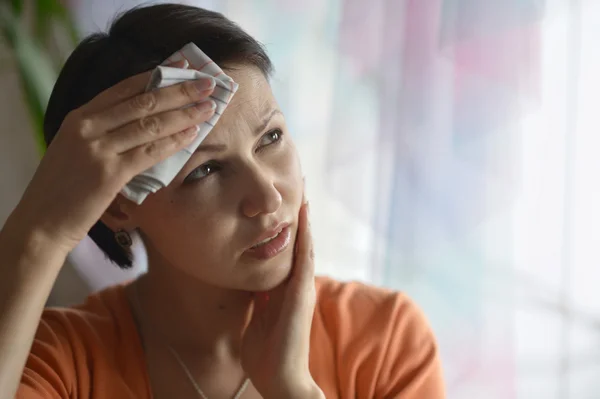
<point x="244" y="183"/>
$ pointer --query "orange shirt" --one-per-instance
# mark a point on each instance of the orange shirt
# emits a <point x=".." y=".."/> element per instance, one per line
<point x="366" y="342"/>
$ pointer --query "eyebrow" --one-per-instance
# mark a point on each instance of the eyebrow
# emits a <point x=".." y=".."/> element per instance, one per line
<point x="273" y="112"/>
<point x="223" y="147"/>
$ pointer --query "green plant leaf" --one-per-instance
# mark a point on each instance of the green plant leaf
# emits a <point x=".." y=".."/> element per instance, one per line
<point x="48" y="15"/>
<point x="17" y="6"/>
<point x="43" y="18"/>
<point x="45" y="12"/>
<point x="49" y="10"/>
<point x="36" y="71"/>
<point x="65" y="16"/>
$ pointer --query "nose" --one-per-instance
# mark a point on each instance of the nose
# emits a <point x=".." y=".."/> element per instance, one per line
<point x="262" y="197"/>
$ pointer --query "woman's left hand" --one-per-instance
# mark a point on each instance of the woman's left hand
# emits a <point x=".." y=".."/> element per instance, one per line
<point x="275" y="348"/>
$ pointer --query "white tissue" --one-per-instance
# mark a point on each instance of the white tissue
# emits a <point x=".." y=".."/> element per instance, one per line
<point x="200" y="66"/>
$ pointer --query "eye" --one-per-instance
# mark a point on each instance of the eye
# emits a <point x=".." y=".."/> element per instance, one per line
<point x="203" y="171"/>
<point x="269" y="138"/>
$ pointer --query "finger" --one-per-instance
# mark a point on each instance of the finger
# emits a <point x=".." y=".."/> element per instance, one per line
<point x="184" y="64"/>
<point x="143" y="157"/>
<point x="300" y="297"/>
<point x="118" y="93"/>
<point x="154" y="102"/>
<point x="125" y="89"/>
<point x="302" y="278"/>
<point x="150" y="128"/>
<point x="297" y="293"/>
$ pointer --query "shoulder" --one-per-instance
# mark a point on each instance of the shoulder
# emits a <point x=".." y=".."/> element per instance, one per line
<point x="382" y="340"/>
<point x="355" y="304"/>
<point x="97" y="317"/>
<point x="66" y="340"/>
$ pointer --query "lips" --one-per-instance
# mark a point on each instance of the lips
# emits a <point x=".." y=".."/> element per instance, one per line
<point x="269" y="234"/>
<point x="271" y="243"/>
<point x="266" y="240"/>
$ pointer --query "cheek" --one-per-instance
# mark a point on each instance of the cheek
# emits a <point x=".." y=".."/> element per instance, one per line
<point x="290" y="171"/>
<point x="180" y="219"/>
<point x="182" y="232"/>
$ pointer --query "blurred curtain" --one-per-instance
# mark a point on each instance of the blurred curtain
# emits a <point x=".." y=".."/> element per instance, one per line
<point x="450" y="149"/>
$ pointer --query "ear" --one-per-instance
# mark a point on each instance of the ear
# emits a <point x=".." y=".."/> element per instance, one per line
<point x="120" y="214"/>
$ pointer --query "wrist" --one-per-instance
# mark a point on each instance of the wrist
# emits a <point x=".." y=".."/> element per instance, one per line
<point x="30" y="242"/>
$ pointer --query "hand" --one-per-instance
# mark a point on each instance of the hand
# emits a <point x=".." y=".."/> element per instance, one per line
<point x="275" y="347"/>
<point x="100" y="147"/>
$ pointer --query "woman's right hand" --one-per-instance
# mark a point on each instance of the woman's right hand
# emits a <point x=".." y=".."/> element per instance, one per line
<point x="101" y="146"/>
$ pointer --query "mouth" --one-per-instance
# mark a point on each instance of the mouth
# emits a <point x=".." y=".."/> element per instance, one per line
<point x="275" y="242"/>
<point x="265" y="241"/>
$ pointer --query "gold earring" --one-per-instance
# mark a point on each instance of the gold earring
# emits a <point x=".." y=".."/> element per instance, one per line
<point x="123" y="239"/>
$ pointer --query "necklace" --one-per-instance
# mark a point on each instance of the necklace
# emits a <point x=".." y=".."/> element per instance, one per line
<point x="187" y="372"/>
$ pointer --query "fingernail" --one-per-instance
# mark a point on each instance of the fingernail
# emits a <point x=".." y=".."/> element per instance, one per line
<point x="186" y="64"/>
<point x="206" y="106"/>
<point x="191" y="131"/>
<point x="303" y="189"/>
<point x="204" y="84"/>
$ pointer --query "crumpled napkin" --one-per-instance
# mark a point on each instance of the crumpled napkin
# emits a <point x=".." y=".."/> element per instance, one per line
<point x="200" y="66"/>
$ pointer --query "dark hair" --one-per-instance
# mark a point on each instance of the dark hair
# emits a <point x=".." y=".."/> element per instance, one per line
<point x="137" y="41"/>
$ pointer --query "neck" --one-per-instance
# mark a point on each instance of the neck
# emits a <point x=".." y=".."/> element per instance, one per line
<point x="192" y="316"/>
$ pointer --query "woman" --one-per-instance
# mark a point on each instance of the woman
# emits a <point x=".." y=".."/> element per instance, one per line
<point x="217" y="315"/>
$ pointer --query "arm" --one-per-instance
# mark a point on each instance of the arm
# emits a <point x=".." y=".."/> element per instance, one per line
<point x="97" y="150"/>
<point x="29" y="266"/>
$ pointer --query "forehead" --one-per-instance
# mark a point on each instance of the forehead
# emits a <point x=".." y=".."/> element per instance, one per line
<point x="252" y="101"/>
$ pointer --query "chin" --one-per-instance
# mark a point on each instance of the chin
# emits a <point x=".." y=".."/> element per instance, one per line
<point x="268" y="274"/>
